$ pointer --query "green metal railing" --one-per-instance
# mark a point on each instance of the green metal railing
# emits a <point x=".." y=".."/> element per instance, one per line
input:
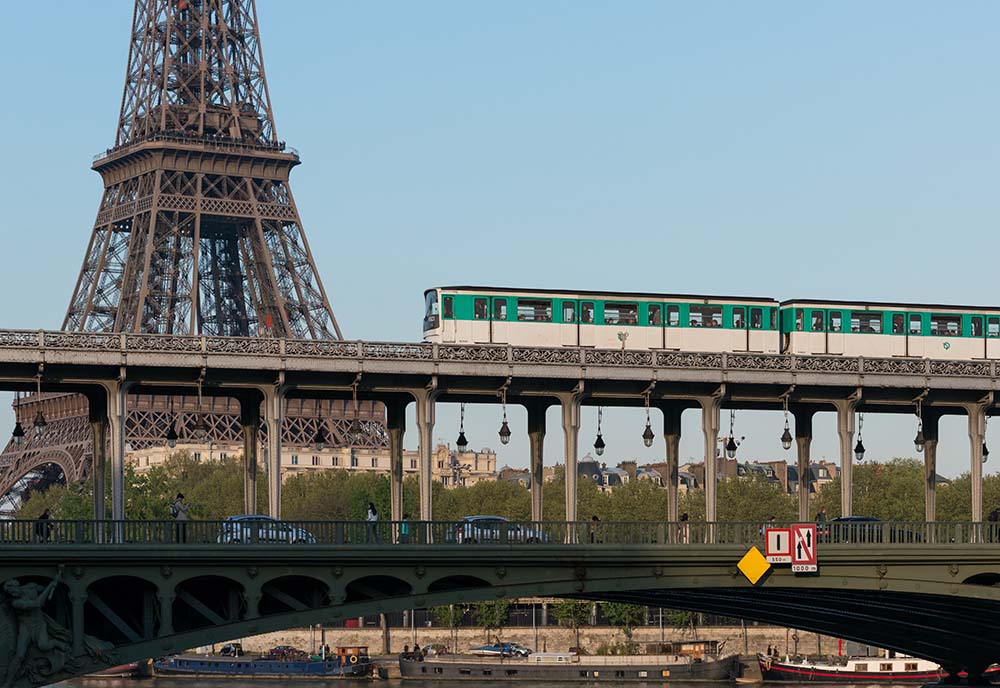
<point x="469" y="533"/>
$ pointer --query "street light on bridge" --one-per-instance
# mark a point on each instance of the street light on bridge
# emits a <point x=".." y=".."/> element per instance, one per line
<point x="599" y="442"/>
<point x="462" y="443"/>
<point x="859" y="448"/>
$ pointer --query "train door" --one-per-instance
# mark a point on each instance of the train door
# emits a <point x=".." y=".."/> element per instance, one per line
<point x="672" y="332"/>
<point x="740" y="339"/>
<point x="448" y="319"/>
<point x="896" y="329"/>
<point x="588" y="323"/>
<point x="499" y="321"/>
<point x="916" y="335"/>
<point x="481" y="326"/>
<point x="834" y="332"/>
<point x="992" y="336"/>
<point x="977" y="332"/>
<point x="654" y="329"/>
<point x="761" y="338"/>
<point x="568" y="325"/>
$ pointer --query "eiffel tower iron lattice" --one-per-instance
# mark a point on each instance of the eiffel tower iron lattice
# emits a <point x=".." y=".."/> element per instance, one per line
<point x="197" y="231"/>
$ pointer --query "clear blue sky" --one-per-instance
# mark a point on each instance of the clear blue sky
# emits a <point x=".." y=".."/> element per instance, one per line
<point x="834" y="150"/>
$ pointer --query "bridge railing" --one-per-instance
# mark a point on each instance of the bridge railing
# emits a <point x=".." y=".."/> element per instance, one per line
<point x="477" y="532"/>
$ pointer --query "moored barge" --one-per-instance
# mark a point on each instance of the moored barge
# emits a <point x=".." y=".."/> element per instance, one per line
<point x="857" y="670"/>
<point x="348" y="662"/>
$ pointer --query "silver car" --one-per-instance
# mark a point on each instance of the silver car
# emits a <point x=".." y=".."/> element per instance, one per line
<point x="257" y="528"/>
<point x="492" y="529"/>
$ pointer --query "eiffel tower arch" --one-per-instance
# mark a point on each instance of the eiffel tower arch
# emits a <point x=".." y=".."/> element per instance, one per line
<point x="197" y="232"/>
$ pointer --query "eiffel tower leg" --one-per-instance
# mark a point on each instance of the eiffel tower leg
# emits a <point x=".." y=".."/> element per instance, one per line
<point x="274" y="401"/>
<point x="250" y="420"/>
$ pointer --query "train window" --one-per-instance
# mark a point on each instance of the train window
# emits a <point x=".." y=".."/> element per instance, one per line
<point x="897" y="323"/>
<point x="993" y="326"/>
<point x="447" y="307"/>
<point x="836" y="321"/>
<point x="866" y="322"/>
<point x="673" y="316"/>
<point x="799" y="315"/>
<point x="534" y="310"/>
<point x="706" y="316"/>
<point x="621" y="314"/>
<point x="499" y="309"/>
<point x="916" y="323"/>
<point x="817" y="321"/>
<point x="587" y="312"/>
<point x="738" y="322"/>
<point x="977" y="326"/>
<point x="774" y="318"/>
<point x="654" y="315"/>
<point x="756" y="318"/>
<point x="946" y="325"/>
<point x="480" y="309"/>
<point x="569" y="312"/>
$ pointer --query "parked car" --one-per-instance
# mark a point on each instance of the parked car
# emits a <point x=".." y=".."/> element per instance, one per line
<point x="494" y="529"/>
<point x="256" y="528"/>
<point x="501" y="650"/>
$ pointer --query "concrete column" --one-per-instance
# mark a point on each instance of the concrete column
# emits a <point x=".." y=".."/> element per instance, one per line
<point x="845" y="430"/>
<point x="930" y="418"/>
<point x="570" y="405"/>
<point x="99" y="438"/>
<point x="672" y="435"/>
<point x="803" y="441"/>
<point x="274" y="407"/>
<point x="977" y="435"/>
<point x="710" y="419"/>
<point x="536" y="439"/>
<point x="396" y="425"/>
<point x="117" y="405"/>
<point x="250" y="422"/>
<point x="426" y="405"/>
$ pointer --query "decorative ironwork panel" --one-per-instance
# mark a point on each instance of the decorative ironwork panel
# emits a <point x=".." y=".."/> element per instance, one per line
<point x="540" y="355"/>
<point x="616" y="357"/>
<point x="92" y="342"/>
<point x="758" y="362"/>
<point x="421" y="352"/>
<point x="299" y="347"/>
<point x="895" y="366"/>
<point x="472" y="353"/>
<point x="961" y="368"/>
<point x="141" y="342"/>
<point x="253" y="346"/>
<point x="674" y="359"/>
<point x="18" y="340"/>
<point x="827" y="364"/>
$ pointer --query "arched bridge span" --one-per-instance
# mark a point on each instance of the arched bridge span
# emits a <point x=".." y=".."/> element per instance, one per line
<point x="118" y="601"/>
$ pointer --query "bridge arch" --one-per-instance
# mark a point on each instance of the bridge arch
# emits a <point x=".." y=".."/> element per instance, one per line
<point x="376" y="588"/>
<point x="449" y="583"/>
<point x="284" y="594"/>
<point x="115" y="609"/>
<point x="207" y="600"/>
<point x="987" y="578"/>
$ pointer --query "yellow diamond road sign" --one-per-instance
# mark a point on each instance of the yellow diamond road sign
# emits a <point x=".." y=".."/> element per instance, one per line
<point x="753" y="565"/>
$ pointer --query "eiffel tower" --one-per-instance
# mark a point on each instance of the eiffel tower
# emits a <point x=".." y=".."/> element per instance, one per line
<point x="197" y="231"/>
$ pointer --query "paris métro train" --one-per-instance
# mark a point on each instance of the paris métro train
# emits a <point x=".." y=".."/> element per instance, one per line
<point x="552" y="318"/>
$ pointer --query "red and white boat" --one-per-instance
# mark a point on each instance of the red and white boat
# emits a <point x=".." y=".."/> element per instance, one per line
<point x="857" y="670"/>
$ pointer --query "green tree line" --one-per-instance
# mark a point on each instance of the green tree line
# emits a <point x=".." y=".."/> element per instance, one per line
<point x="890" y="491"/>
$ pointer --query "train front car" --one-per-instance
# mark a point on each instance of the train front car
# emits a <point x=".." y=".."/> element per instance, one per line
<point x="887" y="330"/>
<point x="605" y="320"/>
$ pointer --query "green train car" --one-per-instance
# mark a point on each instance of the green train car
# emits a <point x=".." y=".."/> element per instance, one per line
<point x="615" y="320"/>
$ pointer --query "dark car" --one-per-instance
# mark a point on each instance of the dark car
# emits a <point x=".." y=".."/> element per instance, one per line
<point x="864" y="529"/>
<point x="472" y="529"/>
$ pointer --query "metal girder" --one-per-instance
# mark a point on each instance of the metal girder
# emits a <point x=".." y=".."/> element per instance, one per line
<point x="200" y="607"/>
<point x="109" y="614"/>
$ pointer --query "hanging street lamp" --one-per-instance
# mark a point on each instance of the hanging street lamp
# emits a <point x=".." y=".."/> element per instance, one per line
<point x="599" y="442"/>
<point x="462" y="443"/>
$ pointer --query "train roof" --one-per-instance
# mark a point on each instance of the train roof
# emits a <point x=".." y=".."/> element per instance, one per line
<point x="891" y="305"/>
<point x="615" y="294"/>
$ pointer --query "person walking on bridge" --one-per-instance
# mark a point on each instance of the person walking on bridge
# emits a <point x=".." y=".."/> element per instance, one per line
<point x="371" y="529"/>
<point x="178" y="512"/>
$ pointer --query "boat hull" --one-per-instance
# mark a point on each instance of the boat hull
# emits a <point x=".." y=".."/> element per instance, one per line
<point x="774" y="670"/>
<point x="516" y="669"/>
<point x="196" y="665"/>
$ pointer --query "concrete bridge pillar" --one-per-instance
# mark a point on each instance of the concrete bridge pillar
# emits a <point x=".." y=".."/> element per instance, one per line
<point x="977" y="436"/>
<point x="803" y="441"/>
<point x="250" y="421"/>
<point x="929" y="423"/>
<point x="396" y="425"/>
<point x="536" y="439"/>
<point x="846" y="410"/>
<point x="672" y="435"/>
<point x="570" y="404"/>
<point x="710" y="418"/>
<point x="99" y="435"/>
<point x="426" y="403"/>
<point x="274" y="406"/>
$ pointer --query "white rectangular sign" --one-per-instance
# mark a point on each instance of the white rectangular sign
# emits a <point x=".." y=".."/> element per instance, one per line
<point x="804" y="548"/>
<point x="778" y="545"/>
